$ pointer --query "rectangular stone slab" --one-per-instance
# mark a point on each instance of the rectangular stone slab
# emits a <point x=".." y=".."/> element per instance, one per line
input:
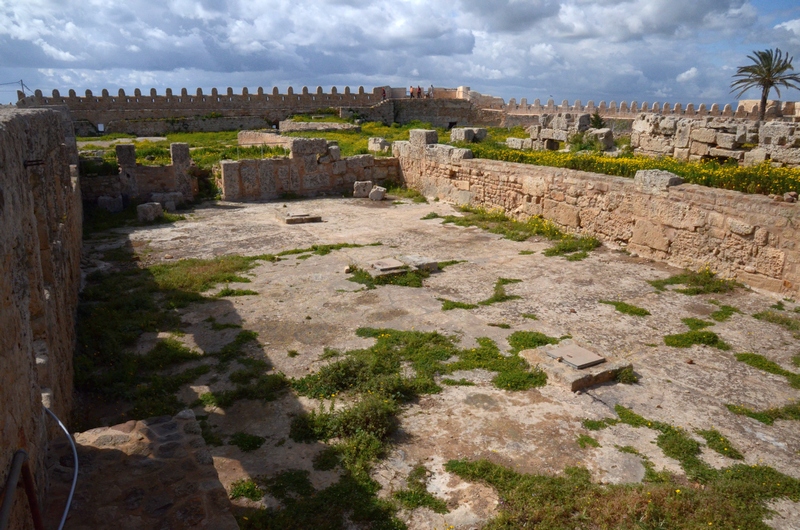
<point x="298" y="218"/>
<point x="387" y="265"/>
<point x="575" y="356"/>
<point x="420" y="262"/>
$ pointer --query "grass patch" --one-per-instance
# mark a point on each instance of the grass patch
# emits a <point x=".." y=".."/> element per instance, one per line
<point x="526" y="340"/>
<point x="762" y="363"/>
<point x="587" y="441"/>
<point x="457" y="382"/>
<point x="690" y="338"/>
<point x="627" y="376"/>
<point x="724" y="312"/>
<point x="701" y="282"/>
<point x="324" y="250"/>
<point x="247" y="442"/>
<point x="246" y="488"/>
<point x="573" y="248"/>
<point x="598" y="425"/>
<point x="787" y="322"/>
<point x="217" y="326"/>
<point x="626" y="308"/>
<point x="768" y="417"/>
<point x="326" y="460"/>
<point x="227" y="291"/>
<point x="501" y="325"/>
<point x="416" y="494"/>
<point x="719" y="443"/>
<point x="530" y="316"/>
<point x="499" y="295"/>
<point x="526" y="252"/>
<point x="444" y="264"/>
<point x="447" y="305"/>
<point x="431" y="215"/>
<point x="696" y="324"/>
<point x="496" y="222"/>
<point x="292" y="353"/>
<point x="407" y="193"/>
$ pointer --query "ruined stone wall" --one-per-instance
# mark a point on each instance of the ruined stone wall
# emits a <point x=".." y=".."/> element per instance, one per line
<point x="138" y="183"/>
<point x="721" y="138"/>
<point x="40" y="245"/>
<point x="749" y="237"/>
<point x="313" y="168"/>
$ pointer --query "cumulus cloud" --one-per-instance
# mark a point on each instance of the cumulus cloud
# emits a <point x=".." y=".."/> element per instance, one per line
<point x="688" y="75"/>
<point x="573" y="49"/>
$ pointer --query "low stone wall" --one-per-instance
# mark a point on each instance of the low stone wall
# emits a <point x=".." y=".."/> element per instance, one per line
<point x="40" y="252"/>
<point x="748" y="237"/>
<point x="322" y="126"/>
<point x="742" y="140"/>
<point x="313" y="167"/>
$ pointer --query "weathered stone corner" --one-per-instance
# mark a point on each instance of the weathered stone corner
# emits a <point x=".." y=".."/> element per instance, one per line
<point x="655" y="180"/>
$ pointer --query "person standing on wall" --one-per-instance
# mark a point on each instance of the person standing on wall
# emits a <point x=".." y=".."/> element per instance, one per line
<point x="419" y="92"/>
<point x="411" y="91"/>
<point x="383" y="94"/>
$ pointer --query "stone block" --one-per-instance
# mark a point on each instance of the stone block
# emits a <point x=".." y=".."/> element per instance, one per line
<point x="377" y="144"/>
<point x="377" y="193"/>
<point x="561" y="213"/>
<point x="300" y="147"/>
<point x="775" y="133"/>
<point x="112" y="204"/>
<point x="422" y="137"/>
<point x="480" y="133"/>
<point x="514" y="143"/>
<point x="655" y="180"/>
<point x="755" y="156"/>
<point x="149" y="212"/>
<point x="575" y="380"/>
<point x="334" y="152"/>
<point x="649" y="234"/>
<point x="420" y="262"/>
<point x="698" y="149"/>
<point x="604" y="136"/>
<point x="361" y="188"/>
<point x="126" y="155"/>
<point x="682" y="135"/>
<point x="727" y="141"/>
<point x="462" y="135"/>
<point x="787" y="156"/>
<point x="726" y="153"/>
<point x="704" y="135"/>
<point x="459" y="154"/>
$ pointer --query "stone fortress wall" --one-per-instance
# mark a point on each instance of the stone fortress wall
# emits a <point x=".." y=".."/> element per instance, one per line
<point x="154" y="114"/>
<point x="40" y="252"/>
<point x="748" y="237"/>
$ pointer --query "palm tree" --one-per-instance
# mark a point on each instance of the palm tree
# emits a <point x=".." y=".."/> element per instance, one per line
<point x="770" y="69"/>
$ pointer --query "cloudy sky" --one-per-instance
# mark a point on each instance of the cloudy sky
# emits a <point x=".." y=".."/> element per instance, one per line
<point x="645" y="50"/>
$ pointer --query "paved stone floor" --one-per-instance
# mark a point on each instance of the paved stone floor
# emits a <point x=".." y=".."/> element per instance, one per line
<point x="308" y="304"/>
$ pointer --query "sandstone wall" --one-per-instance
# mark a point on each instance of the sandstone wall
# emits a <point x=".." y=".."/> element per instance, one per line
<point x="40" y="245"/>
<point x="313" y="168"/>
<point x="749" y="237"/>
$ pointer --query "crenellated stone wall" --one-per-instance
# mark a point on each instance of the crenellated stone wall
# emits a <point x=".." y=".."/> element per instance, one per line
<point x="748" y="237"/>
<point x="314" y="167"/>
<point x="40" y="245"/>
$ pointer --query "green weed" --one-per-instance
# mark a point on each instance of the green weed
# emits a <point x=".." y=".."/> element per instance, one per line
<point x="573" y="248"/>
<point x="626" y="308"/>
<point x="457" y="382"/>
<point x="598" y="425"/>
<point x="501" y="325"/>
<point x="227" y="291"/>
<point x="530" y="316"/>
<point x="447" y="305"/>
<point x="785" y="321"/>
<point x="702" y="282"/>
<point x="246" y="488"/>
<point x="627" y="376"/>
<point x="719" y="443"/>
<point x="724" y="312"/>
<point x="690" y="338"/>
<point x="762" y="363"/>
<point x="526" y="340"/>
<point x="696" y="324"/>
<point x="587" y="441"/>
<point x="416" y="494"/>
<point x="247" y="442"/>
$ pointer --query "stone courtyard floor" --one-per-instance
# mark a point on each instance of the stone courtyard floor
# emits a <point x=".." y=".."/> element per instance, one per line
<point x="307" y="305"/>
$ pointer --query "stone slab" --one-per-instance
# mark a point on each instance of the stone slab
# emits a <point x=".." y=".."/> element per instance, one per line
<point x="575" y="380"/>
<point x="575" y="356"/>
<point x="420" y="262"/>
<point x="295" y="218"/>
<point x="388" y="265"/>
